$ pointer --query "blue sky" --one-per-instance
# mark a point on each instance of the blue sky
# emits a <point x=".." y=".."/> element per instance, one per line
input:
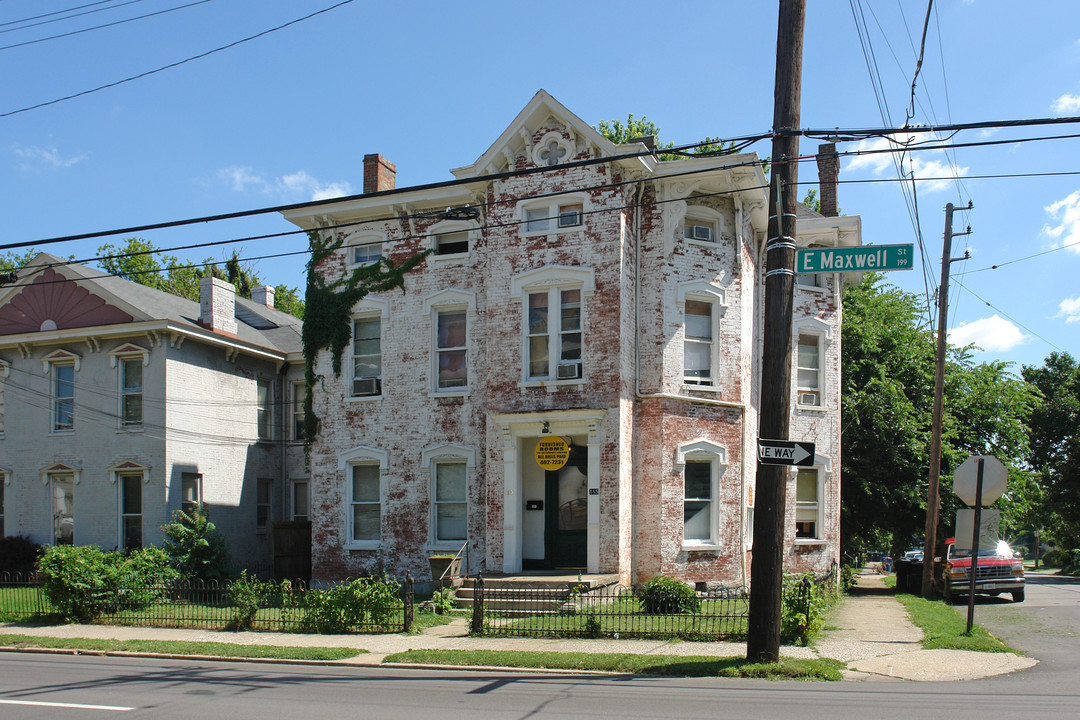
<point x="287" y="117"/>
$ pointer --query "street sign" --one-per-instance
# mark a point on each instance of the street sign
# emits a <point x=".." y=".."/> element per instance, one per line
<point x="785" y="452"/>
<point x="871" y="257"/>
<point x="994" y="478"/>
<point x="989" y="529"/>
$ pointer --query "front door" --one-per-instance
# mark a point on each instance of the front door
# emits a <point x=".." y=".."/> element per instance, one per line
<point x="63" y="487"/>
<point x="566" y="515"/>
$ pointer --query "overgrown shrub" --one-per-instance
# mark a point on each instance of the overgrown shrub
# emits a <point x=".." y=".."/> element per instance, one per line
<point x="195" y="546"/>
<point x="365" y="601"/>
<point x="18" y="554"/>
<point x="248" y="594"/>
<point x="805" y="604"/>
<point x="665" y="596"/>
<point x="1053" y="558"/>
<point x="442" y="601"/>
<point x="83" y="581"/>
<point x="848" y="578"/>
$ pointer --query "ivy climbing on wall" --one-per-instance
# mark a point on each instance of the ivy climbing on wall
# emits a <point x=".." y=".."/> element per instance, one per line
<point x="329" y="307"/>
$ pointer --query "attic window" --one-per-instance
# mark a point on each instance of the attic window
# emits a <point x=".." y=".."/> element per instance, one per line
<point x="553" y="217"/>
<point x="452" y="243"/>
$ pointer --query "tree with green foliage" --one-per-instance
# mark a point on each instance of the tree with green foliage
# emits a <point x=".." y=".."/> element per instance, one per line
<point x="140" y="261"/>
<point x="194" y="545"/>
<point x="888" y="384"/>
<point x="14" y="261"/>
<point x="1055" y="442"/>
<point x="620" y="133"/>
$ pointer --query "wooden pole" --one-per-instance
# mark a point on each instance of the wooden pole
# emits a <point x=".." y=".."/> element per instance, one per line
<point x="766" y="569"/>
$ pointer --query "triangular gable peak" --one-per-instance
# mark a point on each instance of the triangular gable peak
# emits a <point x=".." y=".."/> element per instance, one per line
<point x="52" y="301"/>
<point x="543" y="134"/>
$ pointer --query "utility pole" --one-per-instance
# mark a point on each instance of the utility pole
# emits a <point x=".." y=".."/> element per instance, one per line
<point x="933" y="490"/>
<point x="766" y="569"/>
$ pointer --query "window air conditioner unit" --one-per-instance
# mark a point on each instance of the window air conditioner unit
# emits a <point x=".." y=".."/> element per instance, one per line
<point x="808" y="398"/>
<point x="367" y="386"/>
<point x="570" y="371"/>
<point x="569" y="218"/>
<point x="701" y="232"/>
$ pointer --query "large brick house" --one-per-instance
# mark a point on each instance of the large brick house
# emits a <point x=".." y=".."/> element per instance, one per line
<point x="120" y="403"/>
<point x="602" y="296"/>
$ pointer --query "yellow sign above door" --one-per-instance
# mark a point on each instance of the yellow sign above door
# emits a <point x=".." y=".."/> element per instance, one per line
<point x="552" y="452"/>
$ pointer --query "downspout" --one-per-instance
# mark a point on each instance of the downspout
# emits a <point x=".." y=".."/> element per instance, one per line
<point x="634" y="454"/>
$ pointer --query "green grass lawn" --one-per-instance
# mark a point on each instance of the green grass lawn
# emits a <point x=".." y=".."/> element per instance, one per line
<point x="179" y="647"/>
<point x="943" y="627"/>
<point x="676" y="665"/>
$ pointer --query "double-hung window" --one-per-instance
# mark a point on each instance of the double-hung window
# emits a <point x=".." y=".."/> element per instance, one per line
<point x="299" y="499"/>
<point x="63" y="396"/>
<point x="451" y="505"/>
<point x="702" y="225"/>
<point x="809" y="369"/>
<point x="450" y="348"/>
<point x="263" y="502"/>
<point x="454" y="242"/>
<point x="299" y="394"/>
<point x="554" y="334"/>
<point x="190" y="491"/>
<point x="130" y="509"/>
<point x="703" y="464"/>
<point x="365" y="251"/>
<point x="131" y="391"/>
<point x="553" y="215"/>
<point x="367" y="356"/>
<point x="264" y="409"/>
<point x="365" y="504"/>
<point x="698" y="343"/>
<point x="807" y="505"/>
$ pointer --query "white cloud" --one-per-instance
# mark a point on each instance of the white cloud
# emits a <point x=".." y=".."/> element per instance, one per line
<point x="931" y="174"/>
<point x="34" y="157"/>
<point x="1067" y="232"/>
<point x="286" y="187"/>
<point x="1070" y="310"/>
<point x="1066" y="104"/>
<point x="992" y="334"/>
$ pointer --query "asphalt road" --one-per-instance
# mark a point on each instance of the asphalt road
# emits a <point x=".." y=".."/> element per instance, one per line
<point x="60" y="687"/>
<point x="1046" y="626"/>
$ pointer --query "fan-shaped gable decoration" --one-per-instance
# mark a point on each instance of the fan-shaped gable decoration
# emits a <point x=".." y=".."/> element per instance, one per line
<point x="52" y="302"/>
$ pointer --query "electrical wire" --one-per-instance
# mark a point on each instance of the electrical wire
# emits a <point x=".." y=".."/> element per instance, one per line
<point x="100" y="27"/>
<point x="178" y="63"/>
<point x="1007" y="317"/>
<point x="63" y="12"/>
<point x="1026" y="257"/>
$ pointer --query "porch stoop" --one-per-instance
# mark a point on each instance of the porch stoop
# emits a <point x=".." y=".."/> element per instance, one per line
<point x="529" y="594"/>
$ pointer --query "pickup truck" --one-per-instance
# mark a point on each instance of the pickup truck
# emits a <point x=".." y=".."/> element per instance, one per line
<point x="997" y="572"/>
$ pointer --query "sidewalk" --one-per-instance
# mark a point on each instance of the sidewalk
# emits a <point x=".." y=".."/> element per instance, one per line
<point x="872" y="635"/>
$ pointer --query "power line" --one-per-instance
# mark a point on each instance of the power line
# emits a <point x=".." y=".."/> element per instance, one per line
<point x="62" y="12"/>
<point x="1007" y="317"/>
<point x="1026" y="257"/>
<point x="172" y="65"/>
<point x="100" y="27"/>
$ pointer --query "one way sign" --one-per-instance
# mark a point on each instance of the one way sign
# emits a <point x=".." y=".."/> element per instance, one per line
<point x="785" y="452"/>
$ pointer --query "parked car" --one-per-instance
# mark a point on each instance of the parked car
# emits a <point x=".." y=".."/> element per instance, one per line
<point x="997" y="571"/>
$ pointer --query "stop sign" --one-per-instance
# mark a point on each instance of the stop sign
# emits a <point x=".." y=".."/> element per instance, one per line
<point x="994" y="478"/>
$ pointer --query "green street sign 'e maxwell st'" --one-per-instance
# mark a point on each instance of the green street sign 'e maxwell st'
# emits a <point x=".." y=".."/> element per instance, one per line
<point x="871" y="257"/>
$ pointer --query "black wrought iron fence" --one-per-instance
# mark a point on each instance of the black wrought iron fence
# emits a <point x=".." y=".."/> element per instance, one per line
<point x="608" y="611"/>
<point x="276" y="607"/>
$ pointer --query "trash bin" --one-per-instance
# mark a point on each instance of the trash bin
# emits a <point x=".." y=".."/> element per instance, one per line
<point x="886" y="563"/>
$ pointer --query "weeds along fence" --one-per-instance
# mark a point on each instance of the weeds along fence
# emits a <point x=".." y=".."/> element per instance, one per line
<point x="607" y="611"/>
<point x="359" y="606"/>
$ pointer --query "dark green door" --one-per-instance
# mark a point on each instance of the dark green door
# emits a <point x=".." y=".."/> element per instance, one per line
<point x="566" y="512"/>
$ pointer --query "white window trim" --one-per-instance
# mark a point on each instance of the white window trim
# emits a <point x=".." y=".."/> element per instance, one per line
<point x="823" y="332"/>
<point x="703" y="450"/>
<point x="200" y="496"/>
<point x="269" y="437"/>
<point x="49" y="363"/>
<point x="361" y="455"/>
<point x="448" y="301"/>
<point x="449" y="226"/>
<point x="297" y="391"/>
<point x="820" y="521"/>
<point x="710" y="217"/>
<point x="366" y="308"/>
<point x="552" y="204"/>
<point x="292" y="498"/>
<point x="429" y="458"/>
<point x="551" y="277"/>
<point x="363" y="237"/>
<point x="117" y="361"/>
<point x="703" y="291"/>
<point x="128" y="467"/>
<point x="5" y="372"/>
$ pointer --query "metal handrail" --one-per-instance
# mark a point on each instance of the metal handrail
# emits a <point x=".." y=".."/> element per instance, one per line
<point x="454" y="568"/>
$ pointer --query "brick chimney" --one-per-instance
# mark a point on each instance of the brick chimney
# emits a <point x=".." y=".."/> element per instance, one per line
<point x="379" y="173"/>
<point x="263" y="295"/>
<point x="217" y="305"/>
<point x="828" y="169"/>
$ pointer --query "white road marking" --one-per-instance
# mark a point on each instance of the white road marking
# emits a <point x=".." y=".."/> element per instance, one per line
<point x="73" y="706"/>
